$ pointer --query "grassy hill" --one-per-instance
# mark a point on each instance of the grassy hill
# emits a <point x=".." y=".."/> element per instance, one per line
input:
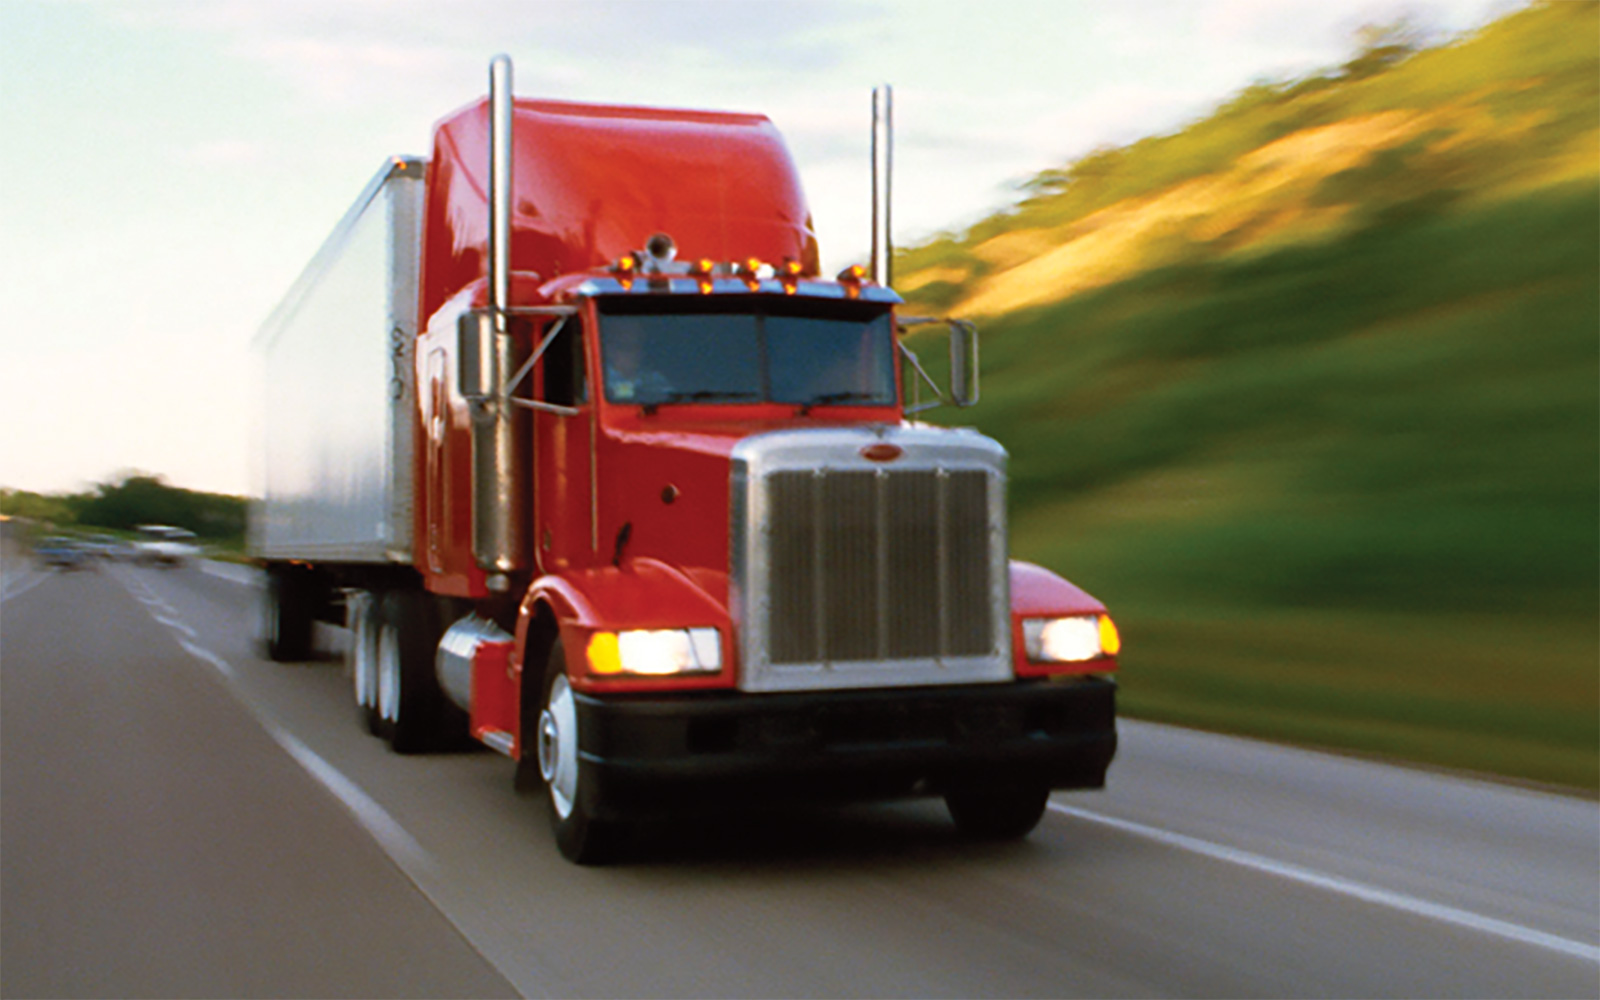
<point x="1309" y="393"/>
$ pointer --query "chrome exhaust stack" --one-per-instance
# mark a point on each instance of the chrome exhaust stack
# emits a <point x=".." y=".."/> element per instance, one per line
<point x="488" y="358"/>
<point x="499" y="188"/>
<point x="882" y="170"/>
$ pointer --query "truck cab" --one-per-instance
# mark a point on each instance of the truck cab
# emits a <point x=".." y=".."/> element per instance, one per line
<point x="658" y="521"/>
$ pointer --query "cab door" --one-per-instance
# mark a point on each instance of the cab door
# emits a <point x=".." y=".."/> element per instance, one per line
<point x="563" y="449"/>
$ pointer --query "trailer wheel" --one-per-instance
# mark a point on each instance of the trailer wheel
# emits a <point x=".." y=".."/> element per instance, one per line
<point x="361" y="617"/>
<point x="580" y="838"/>
<point x="288" y="613"/>
<point x="998" y="812"/>
<point x="409" y="704"/>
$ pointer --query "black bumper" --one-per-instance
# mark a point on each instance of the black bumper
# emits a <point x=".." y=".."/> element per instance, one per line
<point x="659" y="754"/>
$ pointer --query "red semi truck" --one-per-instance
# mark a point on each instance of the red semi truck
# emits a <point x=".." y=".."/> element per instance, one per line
<point x="565" y="426"/>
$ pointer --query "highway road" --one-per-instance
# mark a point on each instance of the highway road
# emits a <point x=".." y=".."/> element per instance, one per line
<point x="179" y="817"/>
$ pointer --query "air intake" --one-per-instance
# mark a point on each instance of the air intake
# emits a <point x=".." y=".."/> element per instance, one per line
<point x="849" y="573"/>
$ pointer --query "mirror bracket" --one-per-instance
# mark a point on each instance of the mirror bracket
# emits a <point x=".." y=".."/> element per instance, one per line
<point x="963" y="362"/>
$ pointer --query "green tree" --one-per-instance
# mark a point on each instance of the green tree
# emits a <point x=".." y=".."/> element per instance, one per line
<point x="141" y="498"/>
<point x="35" y="506"/>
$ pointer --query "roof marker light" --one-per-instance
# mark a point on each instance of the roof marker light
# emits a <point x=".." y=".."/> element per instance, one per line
<point x="625" y="268"/>
<point x="750" y="273"/>
<point x="790" y="275"/>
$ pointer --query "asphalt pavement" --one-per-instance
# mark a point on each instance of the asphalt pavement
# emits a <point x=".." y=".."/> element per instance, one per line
<point x="182" y="818"/>
<point x="159" y="842"/>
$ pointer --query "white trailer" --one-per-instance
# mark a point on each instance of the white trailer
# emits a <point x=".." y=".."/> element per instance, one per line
<point x="334" y="469"/>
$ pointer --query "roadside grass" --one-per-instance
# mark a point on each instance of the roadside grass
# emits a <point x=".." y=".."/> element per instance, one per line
<point x="1343" y="495"/>
<point x="1497" y="694"/>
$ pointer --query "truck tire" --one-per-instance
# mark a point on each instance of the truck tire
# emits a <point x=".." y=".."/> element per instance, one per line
<point x="580" y="838"/>
<point x="287" y="629"/>
<point x="409" y="706"/>
<point x="997" y="812"/>
<point x="361" y="658"/>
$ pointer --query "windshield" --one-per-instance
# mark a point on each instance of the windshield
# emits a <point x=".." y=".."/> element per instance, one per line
<point x="807" y="353"/>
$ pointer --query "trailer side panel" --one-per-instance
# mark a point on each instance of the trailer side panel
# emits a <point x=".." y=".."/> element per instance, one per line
<point x="334" y="479"/>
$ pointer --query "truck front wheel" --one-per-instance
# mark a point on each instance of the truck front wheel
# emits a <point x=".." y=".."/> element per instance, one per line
<point x="997" y="812"/>
<point x="580" y="838"/>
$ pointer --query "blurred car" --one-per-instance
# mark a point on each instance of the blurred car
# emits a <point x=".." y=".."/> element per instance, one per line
<point x="61" y="552"/>
<point x="109" y="547"/>
<point x="163" y="545"/>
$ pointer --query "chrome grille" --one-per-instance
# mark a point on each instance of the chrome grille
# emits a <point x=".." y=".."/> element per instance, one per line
<point x="846" y="572"/>
<point x="878" y="565"/>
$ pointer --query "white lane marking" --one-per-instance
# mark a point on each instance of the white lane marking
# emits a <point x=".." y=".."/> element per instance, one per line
<point x="30" y="581"/>
<point x="222" y="666"/>
<point x="394" y="839"/>
<point x="391" y="836"/>
<point x="175" y="624"/>
<point x="1333" y="883"/>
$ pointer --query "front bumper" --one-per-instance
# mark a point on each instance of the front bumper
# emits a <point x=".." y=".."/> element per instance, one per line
<point x="662" y="753"/>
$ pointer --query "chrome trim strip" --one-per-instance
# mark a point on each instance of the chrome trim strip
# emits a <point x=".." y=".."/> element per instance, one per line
<point x="805" y="289"/>
<point x="498" y="740"/>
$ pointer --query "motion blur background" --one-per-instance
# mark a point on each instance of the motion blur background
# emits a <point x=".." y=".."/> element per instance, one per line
<point x="1309" y="393"/>
<point x="1291" y="311"/>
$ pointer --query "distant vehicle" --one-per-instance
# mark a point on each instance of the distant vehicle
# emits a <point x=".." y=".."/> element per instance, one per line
<point x="163" y="545"/>
<point x="109" y="547"/>
<point x="61" y="552"/>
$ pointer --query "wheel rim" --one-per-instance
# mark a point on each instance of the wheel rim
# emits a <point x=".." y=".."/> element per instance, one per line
<point x="388" y="673"/>
<point x="364" y="642"/>
<point x="558" y="746"/>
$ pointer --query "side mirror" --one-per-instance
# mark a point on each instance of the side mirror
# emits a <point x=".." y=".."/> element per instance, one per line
<point x="963" y="362"/>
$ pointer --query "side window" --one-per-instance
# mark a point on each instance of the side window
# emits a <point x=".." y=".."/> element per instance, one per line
<point x="564" y="382"/>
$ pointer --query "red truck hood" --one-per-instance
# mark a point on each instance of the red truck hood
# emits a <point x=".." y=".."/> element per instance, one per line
<point x="673" y="498"/>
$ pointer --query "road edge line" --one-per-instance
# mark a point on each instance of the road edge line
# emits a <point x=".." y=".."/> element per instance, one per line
<point x="1342" y="886"/>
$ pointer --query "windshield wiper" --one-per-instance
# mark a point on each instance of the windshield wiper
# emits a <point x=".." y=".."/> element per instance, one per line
<point x="699" y="396"/>
<point x="838" y="397"/>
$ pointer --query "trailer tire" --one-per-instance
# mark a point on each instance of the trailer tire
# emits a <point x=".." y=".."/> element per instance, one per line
<point x="288" y="609"/>
<point x="997" y="812"/>
<point x="361" y="659"/>
<point x="410" y="706"/>
<point x="581" y="839"/>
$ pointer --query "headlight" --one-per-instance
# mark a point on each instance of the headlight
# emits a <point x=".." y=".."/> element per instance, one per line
<point x="1070" y="640"/>
<point x="656" y="652"/>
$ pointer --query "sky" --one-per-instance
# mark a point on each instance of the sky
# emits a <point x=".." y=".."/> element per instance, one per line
<point x="168" y="167"/>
